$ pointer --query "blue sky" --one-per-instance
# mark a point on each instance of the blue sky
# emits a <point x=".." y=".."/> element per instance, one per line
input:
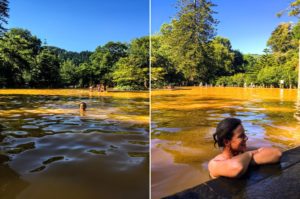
<point x="247" y="23"/>
<point x="81" y="25"/>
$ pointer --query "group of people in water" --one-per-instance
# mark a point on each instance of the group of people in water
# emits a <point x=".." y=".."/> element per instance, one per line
<point x="99" y="87"/>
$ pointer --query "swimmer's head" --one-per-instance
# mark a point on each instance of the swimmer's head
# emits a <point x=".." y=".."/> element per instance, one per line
<point x="82" y="106"/>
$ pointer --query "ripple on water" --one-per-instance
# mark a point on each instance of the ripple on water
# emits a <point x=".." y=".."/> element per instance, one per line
<point x="20" y="148"/>
<point x="49" y="141"/>
<point x="29" y="127"/>
<point x="15" y="133"/>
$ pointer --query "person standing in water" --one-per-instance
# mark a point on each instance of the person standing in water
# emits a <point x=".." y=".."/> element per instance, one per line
<point x="235" y="157"/>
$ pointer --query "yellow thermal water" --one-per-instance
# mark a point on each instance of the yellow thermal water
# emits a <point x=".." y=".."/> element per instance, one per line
<point x="184" y="119"/>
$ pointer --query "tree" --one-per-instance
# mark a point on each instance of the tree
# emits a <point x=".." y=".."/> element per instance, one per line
<point x="223" y="56"/>
<point x="18" y="49"/>
<point x="68" y="73"/>
<point x="163" y="70"/>
<point x="104" y="58"/>
<point x="46" y="74"/>
<point x="281" y="39"/>
<point x="132" y="72"/>
<point x="3" y="14"/>
<point x="294" y="10"/>
<point x="187" y="38"/>
<point x="64" y="55"/>
<point x="85" y="73"/>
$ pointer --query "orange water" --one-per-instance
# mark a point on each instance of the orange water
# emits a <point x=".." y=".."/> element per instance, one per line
<point x="184" y="120"/>
<point x="56" y="151"/>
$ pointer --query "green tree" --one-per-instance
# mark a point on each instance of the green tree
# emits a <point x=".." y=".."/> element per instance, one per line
<point x="85" y="73"/>
<point x="68" y="73"/>
<point x="132" y="72"/>
<point x="294" y="10"/>
<point x="223" y="56"/>
<point x="18" y="49"/>
<point x="46" y="74"/>
<point x="104" y="59"/>
<point x="187" y="38"/>
<point x="3" y="14"/>
<point x="281" y="39"/>
<point x="163" y="71"/>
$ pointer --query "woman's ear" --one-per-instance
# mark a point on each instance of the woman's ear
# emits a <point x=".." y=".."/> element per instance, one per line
<point x="226" y="142"/>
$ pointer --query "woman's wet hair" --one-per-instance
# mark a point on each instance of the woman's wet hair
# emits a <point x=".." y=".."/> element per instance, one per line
<point x="225" y="130"/>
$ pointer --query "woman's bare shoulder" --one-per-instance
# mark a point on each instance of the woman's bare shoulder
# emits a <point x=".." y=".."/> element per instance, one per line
<point x="219" y="157"/>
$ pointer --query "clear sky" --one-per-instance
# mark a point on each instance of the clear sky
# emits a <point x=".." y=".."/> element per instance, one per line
<point x="78" y="25"/>
<point x="247" y="23"/>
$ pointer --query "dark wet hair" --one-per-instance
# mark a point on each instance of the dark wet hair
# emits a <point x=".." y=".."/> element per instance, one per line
<point x="225" y="130"/>
<point x="82" y="106"/>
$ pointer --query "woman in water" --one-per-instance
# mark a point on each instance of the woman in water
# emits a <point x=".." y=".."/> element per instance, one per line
<point x="235" y="158"/>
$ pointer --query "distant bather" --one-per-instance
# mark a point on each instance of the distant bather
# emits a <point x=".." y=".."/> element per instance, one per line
<point x="82" y="106"/>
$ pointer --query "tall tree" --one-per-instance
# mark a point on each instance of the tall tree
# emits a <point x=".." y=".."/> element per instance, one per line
<point x="294" y="10"/>
<point x="281" y="39"/>
<point x="3" y="14"/>
<point x="188" y="36"/>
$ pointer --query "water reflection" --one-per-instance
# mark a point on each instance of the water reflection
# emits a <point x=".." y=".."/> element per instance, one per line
<point x="297" y="104"/>
<point x="184" y="121"/>
<point x="63" y="154"/>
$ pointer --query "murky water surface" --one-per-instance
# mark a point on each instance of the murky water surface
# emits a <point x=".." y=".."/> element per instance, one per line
<point x="184" y="120"/>
<point x="48" y="149"/>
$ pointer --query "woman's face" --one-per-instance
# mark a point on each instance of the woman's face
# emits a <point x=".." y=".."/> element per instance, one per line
<point x="238" y="140"/>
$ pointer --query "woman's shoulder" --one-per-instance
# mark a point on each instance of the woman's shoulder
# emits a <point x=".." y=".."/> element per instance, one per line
<point x="214" y="162"/>
<point x="219" y="157"/>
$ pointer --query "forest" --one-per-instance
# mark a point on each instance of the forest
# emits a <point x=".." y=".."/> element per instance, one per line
<point x="187" y="51"/>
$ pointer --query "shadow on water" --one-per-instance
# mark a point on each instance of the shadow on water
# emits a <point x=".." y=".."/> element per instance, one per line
<point x="102" y="154"/>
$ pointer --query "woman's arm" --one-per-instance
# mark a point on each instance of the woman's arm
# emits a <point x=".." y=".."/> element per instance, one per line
<point x="266" y="155"/>
<point x="233" y="167"/>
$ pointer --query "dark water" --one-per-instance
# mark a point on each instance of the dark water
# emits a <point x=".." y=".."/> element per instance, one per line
<point x="48" y="149"/>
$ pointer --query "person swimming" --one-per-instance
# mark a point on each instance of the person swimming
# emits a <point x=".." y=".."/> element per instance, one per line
<point x="235" y="157"/>
<point x="82" y="106"/>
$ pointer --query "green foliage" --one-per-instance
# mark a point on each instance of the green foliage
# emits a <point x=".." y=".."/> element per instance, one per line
<point x="236" y="80"/>
<point x="186" y="39"/>
<point x="127" y="74"/>
<point x="24" y="62"/>
<point x="18" y="49"/>
<point x="64" y="55"/>
<point x="68" y="73"/>
<point x="281" y="39"/>
<point x="3" y="14"/>
<point x="46" y="71"/>
<point x="163" y="71"/>
<point x="188" y="46"/>
<point x="223" y="56"/>
<point x="104" y="58"/>
<point x="292" y="10"/>
<point x="296" y="31"/>
<point x="132" y="72"/>
<point x="85" y="73"/>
